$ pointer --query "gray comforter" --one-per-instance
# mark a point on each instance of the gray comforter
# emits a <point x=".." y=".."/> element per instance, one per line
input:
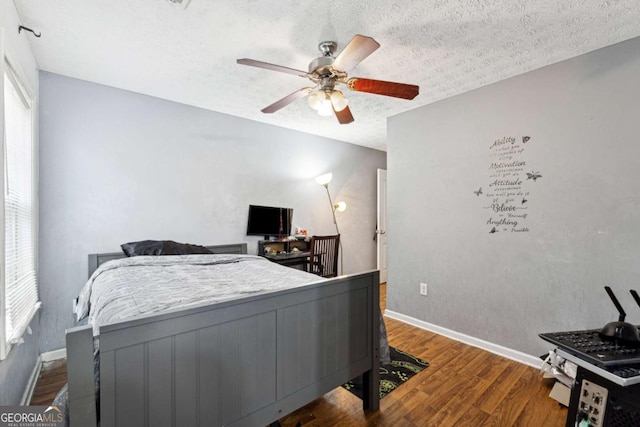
<point x="131" y="287"/>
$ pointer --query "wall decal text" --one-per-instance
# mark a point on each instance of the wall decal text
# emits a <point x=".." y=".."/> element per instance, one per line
<point x="508" y="192"/>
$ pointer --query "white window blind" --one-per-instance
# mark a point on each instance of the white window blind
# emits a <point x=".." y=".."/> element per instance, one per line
<point x="20" y="284"/>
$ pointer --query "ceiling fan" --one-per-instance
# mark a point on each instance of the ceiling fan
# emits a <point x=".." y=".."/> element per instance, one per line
<point x="328" y="71"/>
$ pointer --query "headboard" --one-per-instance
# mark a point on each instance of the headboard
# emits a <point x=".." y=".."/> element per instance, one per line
<point x="95" y="260"/>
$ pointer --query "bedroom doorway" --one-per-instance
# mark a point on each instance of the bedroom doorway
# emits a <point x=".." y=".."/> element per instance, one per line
<point x="381" y="227"/>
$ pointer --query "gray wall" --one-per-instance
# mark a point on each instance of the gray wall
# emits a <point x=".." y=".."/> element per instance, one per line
<point x="583" y="214"/>
<point x="16" y="369"/>
<point x="118" y="166"/>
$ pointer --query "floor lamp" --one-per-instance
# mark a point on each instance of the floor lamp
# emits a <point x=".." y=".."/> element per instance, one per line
<point x="324" y="180"/>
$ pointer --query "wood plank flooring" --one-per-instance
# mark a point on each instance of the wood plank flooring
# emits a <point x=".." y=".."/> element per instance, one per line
<point x="53" y="376"/>
<point x="463" y="386"/>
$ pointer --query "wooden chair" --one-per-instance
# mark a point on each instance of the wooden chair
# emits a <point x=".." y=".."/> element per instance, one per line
<point x="323" y="256"/>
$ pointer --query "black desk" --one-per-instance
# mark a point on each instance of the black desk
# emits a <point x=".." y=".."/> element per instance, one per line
<point x="290" y="259"/>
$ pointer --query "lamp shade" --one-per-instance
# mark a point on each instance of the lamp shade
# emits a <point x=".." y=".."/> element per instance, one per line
<point x="324" y="179"/>
<point x="325" y="107"/>
<point x="315" y="100"/>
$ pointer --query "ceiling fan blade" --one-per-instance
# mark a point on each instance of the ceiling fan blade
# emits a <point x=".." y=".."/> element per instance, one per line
<point x="380" y="87"/>
<point x="354" y="52"/>
<point x="272" y="67"/>
<point x="344" y="116"/>
<point x="286" y="100"/>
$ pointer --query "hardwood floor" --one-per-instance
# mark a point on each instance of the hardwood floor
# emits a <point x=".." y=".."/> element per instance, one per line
<point x="463" y="386"/>
<point x="52" y="378"/>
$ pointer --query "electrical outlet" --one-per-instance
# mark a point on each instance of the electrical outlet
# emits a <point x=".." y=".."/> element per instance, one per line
<point x="423" y="289"/>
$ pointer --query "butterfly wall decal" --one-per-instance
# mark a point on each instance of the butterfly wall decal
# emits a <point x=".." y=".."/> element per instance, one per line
<point x="533" y="175"/>
<point x="479" y="192"/>
<point x="493" y="230"/>
<point x="525" y="139"/>
<point x="524" y="200"/>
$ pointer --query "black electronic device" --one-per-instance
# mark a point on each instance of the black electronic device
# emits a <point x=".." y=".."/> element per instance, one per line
<point x="635" y="296"/>
<point x="620" y="330"/>
<point x="269" y="221"/>
<point x="617" y="343"/>
<point x="598" y="402"/>
<point x="591" y="346"/>
<point x="606" y="389"/>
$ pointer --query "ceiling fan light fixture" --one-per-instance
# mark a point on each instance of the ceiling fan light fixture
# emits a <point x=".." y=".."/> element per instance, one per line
<point x="326" y="109"/>
<point x="315" y="100"/>
<point x="338" y="100"/>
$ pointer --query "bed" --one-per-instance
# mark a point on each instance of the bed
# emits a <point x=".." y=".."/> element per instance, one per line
<point x="244" y="361"/>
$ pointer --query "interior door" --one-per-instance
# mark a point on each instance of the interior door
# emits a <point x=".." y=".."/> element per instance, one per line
<point x="381" y="231"/>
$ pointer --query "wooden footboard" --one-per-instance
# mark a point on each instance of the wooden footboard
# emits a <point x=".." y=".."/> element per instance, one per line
<point x="246" y="362"/>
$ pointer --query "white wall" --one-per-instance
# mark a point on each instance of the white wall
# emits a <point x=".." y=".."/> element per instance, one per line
<point x="118" y="166"/>
<point x="16" y="369"/>
<point x="583" y="214"/>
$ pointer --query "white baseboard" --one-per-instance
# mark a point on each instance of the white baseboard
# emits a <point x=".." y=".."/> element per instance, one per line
<point x="31" y="384"/>
<point x="49" y="356"/>
<point x="509" y="353"/>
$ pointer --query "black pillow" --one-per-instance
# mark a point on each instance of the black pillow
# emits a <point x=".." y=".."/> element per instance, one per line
<point x="162" y="247"/>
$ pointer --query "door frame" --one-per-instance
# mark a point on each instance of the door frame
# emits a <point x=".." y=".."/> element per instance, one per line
<point x="381" y="224"/>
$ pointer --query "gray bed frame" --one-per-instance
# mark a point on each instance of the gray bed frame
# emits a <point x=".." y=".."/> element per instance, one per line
<point x="246" y="362"/>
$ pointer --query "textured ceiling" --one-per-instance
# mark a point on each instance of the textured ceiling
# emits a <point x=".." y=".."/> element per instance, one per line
<point x="188" y="54"/>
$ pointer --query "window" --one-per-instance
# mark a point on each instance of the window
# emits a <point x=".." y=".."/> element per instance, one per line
<point x="18" y="284"/>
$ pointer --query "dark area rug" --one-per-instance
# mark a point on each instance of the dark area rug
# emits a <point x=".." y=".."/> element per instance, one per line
<point x="402" y="367"/>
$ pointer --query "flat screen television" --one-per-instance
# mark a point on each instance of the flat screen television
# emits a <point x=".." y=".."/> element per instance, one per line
<point x="269" y="221"/>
